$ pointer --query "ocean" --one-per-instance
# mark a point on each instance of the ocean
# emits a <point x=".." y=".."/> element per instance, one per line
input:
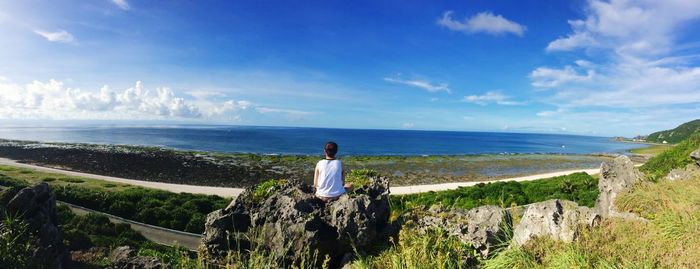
<point x="310" y="141"/>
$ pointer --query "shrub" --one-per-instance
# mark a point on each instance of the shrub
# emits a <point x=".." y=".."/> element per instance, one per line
<point x="360" y="177"/>
<point x="264" y="189"/>
<point x="16" y="245"/>
<point x="49" y="179"/>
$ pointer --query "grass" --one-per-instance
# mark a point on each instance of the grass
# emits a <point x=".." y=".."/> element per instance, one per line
<point x="179" y="211"/>
<point x="578" y="187"/>
<point x="415" y="250"/>
<point x="675" y="157"/>
<point x="360" y="177"/>
<point x="651" y="149"/>
<point x="266" y="188"/>
<point x="670" y="239"/>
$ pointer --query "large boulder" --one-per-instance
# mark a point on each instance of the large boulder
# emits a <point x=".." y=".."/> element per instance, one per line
<point x="691" y="171"/>
<point x="484" y="228"/>
<point x="557" y="219"/>
<point x="290" y="222"/>
<point x="615" y="177"/>
<point x="36" y="206"/>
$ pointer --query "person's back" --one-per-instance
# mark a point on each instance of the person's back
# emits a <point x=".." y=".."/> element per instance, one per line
<point x="329" y="178"/>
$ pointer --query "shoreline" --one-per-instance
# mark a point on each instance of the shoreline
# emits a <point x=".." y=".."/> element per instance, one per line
<point x="229" y="192"/>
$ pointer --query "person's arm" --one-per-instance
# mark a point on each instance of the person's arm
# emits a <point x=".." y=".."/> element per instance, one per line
<point x="316" y="177"/>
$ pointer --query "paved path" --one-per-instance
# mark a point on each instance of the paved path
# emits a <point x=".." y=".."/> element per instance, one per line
<point x="233" y="192"/>
<point x="160" y="235"/>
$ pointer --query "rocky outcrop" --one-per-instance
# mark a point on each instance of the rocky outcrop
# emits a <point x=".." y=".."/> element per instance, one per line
<point x="691" y="171"/>
<point x="483" y="228"/>
<point x="695" y="156"/>
<point x="125" y="258"/>
<point x="615" y="177"/>
<point x="289" y="222"/>
<point x="557" y="219"/>
<point x="36" y="206"/>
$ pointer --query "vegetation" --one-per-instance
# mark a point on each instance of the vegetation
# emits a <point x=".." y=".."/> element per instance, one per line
<point x="179" y="211"/>
<point x="16" y="244"/>
<point x="360" y="177"/>
<point x="578" y="187"/>
<point x="676" y="135"/>
<point x="652" y="149"/>
<point x="675" y="157"/>
<point x="414" y="250"/>
<point x="668" y="240"/>
<point x="265" y="189"/>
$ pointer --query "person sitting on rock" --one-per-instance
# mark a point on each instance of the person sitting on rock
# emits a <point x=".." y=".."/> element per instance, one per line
<point x="329" y="177"/>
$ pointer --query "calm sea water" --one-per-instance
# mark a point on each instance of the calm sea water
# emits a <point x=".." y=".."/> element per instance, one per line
<point x="284" y="140"/>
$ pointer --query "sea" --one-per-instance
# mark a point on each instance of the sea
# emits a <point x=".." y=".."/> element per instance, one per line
<point x="310" y="141"/>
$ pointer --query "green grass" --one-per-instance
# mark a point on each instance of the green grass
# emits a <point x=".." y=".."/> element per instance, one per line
<point x="651" y="149"/>
<point x="670" y="239"/>
<point x="265" y="188"/>
<point x="179" y="211"/>
<point x="360" y="177"/>
<point x="578" y="187"/>
<point x="675" y="157"/>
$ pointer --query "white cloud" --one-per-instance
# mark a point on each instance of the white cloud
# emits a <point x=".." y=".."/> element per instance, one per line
<point x="640" y="66"/>
<point x="58" y="36"/>
<point x="544" y="77"/>
<point x="484" y="22"/>
<point x="422" y="84"/>
<point x="491" y="97"/>
<point x="53" y="100"/>
<point x="123" y="4"/>
<point x="407" y="125"/>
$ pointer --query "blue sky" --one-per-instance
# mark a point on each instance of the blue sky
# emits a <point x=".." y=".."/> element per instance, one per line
<point x="581" y="67"/>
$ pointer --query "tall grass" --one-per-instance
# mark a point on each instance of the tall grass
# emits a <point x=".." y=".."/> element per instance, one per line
<point x="434" y="249"/>
<point x="675" y="157"/>
<point x="16" y="245"/>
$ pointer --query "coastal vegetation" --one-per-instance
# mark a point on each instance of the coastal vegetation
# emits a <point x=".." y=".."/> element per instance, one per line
<point x="179" y="211"/>
<point x="675" y="157"/>
<point x="651" y="150"/>
<point x="676" y="135"/>
<point x="578" y="187"/>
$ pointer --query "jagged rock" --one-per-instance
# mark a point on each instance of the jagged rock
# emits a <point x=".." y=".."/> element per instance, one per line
<point x="483" y="227"/>
<point x="695" y="155"/>
<point x="37" y="207"/>
<point x="689" y="172"/>
<point x="615" y="177"/>
<point x="124" y="257"/>
<point x="291" y="221"/>
<point x="558" y="219"/>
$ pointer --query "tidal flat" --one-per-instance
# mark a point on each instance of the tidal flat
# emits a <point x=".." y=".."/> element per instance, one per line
<point x="244" y="170"/>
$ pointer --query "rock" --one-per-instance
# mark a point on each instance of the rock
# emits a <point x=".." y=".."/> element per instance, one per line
<point x="124" y="257"/>
<point x="36" y="206"/>
<point x="290" y="222"/>
<point x="689" y="172"/>
<point x="557" y="219"/>
<point x="483" y="227"/>
<point x="695" y="156"/>
<point x="615" y="177"/>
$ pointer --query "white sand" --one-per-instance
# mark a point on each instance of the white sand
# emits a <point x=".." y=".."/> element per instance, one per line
<point x="233" y="192"/>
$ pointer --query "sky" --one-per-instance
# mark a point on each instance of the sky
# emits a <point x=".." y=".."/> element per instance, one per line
<point x="576" y="67"/>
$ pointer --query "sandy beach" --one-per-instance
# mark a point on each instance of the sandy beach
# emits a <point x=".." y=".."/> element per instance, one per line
<point x="233" y="192"/>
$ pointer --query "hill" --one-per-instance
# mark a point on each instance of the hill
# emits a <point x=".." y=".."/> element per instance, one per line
<point x="677" y="134"/>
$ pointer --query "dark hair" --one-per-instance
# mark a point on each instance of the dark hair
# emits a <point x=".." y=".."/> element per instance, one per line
<point x="331" y="148"/>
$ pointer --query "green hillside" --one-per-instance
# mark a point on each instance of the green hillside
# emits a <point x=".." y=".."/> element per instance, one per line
<point x="677" y="134"/>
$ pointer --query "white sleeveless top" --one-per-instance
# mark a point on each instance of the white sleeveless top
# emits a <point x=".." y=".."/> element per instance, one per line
<point x="330" y="178"/>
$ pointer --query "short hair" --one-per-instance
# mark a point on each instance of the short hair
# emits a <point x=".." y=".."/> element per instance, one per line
<point x="331" y="148"/>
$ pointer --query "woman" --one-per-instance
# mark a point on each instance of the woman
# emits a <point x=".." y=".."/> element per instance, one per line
<point x="329" y="177"/>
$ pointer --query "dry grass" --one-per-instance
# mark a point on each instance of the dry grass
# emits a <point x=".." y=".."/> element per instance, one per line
<point x="670" y="239"/>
